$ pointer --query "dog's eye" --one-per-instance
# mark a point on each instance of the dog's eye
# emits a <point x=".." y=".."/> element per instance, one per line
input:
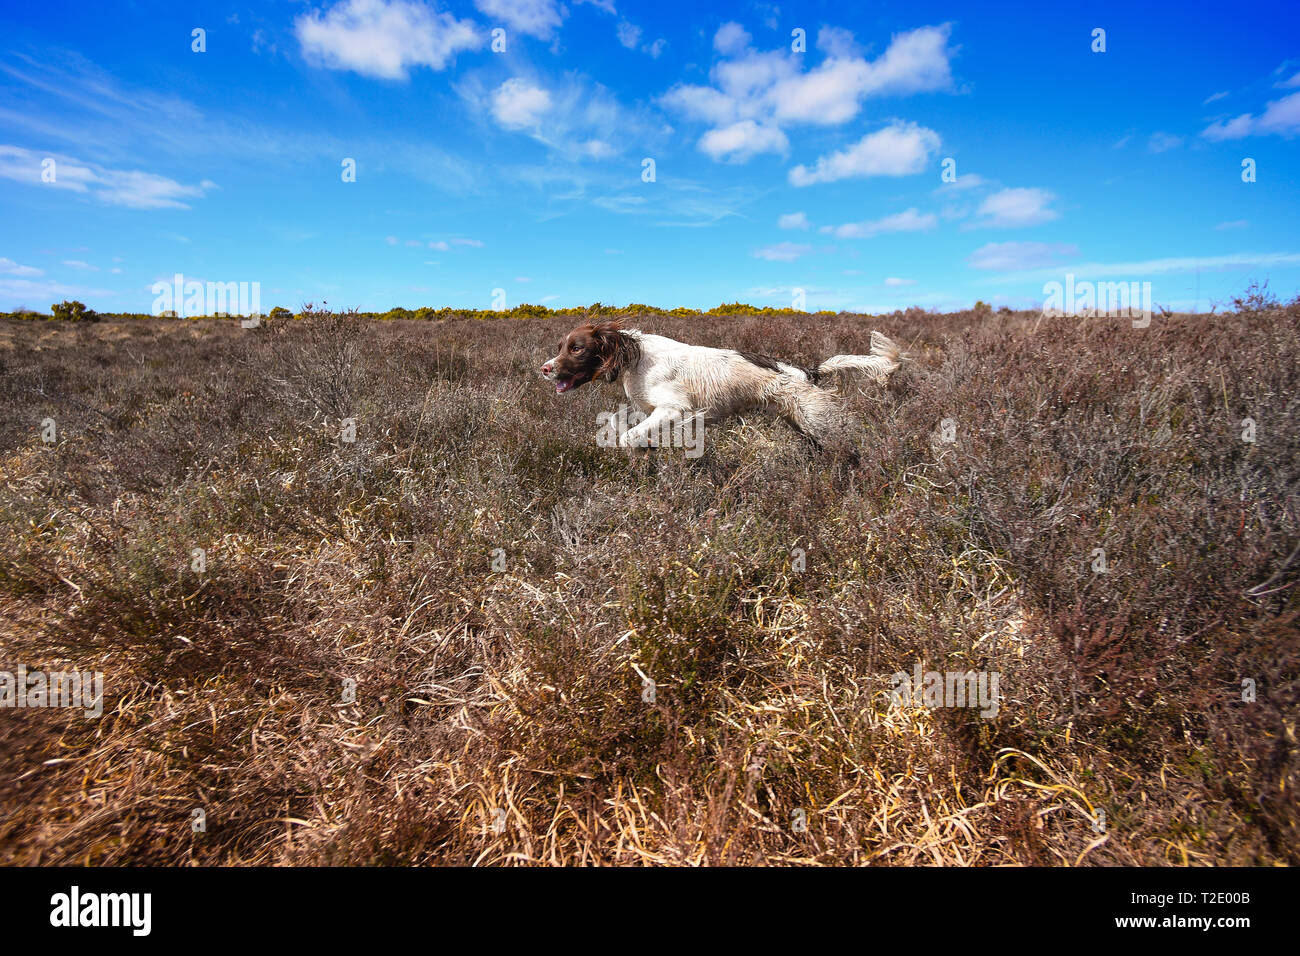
<point x="575" y="348"/>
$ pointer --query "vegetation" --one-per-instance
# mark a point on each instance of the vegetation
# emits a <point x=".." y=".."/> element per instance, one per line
<point x="427" y="314"/>
<point x="66" y="311"/>
<point x="499" y="588"/>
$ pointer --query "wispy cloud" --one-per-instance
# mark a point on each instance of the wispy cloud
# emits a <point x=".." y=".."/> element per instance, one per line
<point x="668" y="202"/>
<point x="39" y="294"/>
<point x="118" y="187"/>
<point x="10" y="268"/>
<point x="574" y="116"/>
<point x="82" y="106"/>
<point x="963" y="183"/>
<point x="1006" y="256"/>
<point x="1153" y="267"/>
<point x="1013" y="208"/>
<point x="1162" y="142"/>
<point x="910" y="220"/>
<point x="783" y="251"/>
<point x="535" y="18"/>
<point x="629" y="36"/>
<point x="1280" y="117"/>
<point x="628" y="33"/>
<point x="446" y="245"/>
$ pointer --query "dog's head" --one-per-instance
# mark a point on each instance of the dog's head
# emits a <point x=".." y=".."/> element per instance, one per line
<point x="590" y="351"/>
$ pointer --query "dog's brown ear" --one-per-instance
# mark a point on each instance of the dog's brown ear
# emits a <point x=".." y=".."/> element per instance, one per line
<point x="618" y="350"/>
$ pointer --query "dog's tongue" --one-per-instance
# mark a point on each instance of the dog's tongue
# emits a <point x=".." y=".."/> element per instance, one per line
<point x="561" y="387"/>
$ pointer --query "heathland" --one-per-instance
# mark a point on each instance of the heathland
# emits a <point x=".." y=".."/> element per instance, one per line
<point x="465" y="632"/>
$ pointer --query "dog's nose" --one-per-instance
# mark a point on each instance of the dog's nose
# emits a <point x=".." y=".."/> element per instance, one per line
<point x="546" y="369"/>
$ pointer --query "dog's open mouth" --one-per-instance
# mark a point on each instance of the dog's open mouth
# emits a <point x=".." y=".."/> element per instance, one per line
<point x="563" y="385"/>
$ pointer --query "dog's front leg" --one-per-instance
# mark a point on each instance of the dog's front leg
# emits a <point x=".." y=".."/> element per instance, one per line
<point x="650" y="432"/>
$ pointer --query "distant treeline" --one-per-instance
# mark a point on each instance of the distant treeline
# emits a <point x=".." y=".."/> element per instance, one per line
<point x="78" y="312"/>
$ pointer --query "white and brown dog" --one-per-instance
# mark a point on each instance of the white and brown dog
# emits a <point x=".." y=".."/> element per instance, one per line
<point x="670" y="381"/>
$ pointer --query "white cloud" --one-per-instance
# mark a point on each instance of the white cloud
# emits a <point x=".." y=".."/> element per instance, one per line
<point x="900" y="149"/>
<point x="783" y="251"/>
<point x="962" y="183"/>
<point x="1004" y="256"/>
<point x="440" y="245"/>
<point x="731" y="39"/>
<point x="536" y="18"/>
<point x="910" y="220"/>
<point x="75" y="102"/>
<point x="915" y="62"/>
<point x="26" y="292"/>
<point x="773" y="90"/>
<point x="10" y="268"/>
<point x="117" y="187"/>
<point x="1160" y="142"/>
<point x="1280" y="116"/>
<point x="680" y="202"/>
<point x="261" y="42"/>
<point x="1234" y="224"/>
<point x="741" y="141"/>
<point x="623" y="203"/>
<point x="1010" y="208"/>
<point x="78" y="264"/>
<point x="575" y="117"/>
<point x="793" y="220"/>
<point x="141" y="190"/>
<point x="1214" y="96"/>
<point x="896" y="283"/>
<point x="1287" y="84"/>
<point x="837" y="42"/>
<point x="629" y="34"/>
<point x="383" y="38"/>
<point x="517" y="104"/>
<point x="1151" y="267"/>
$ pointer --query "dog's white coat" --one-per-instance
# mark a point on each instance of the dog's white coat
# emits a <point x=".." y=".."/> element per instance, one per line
<point x="673" y="381"/>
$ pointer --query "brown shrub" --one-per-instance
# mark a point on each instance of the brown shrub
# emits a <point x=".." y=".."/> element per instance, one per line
<point x="501" y="591"/>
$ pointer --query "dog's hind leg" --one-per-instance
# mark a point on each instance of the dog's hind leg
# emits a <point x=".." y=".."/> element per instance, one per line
<point x="809" y="410"/>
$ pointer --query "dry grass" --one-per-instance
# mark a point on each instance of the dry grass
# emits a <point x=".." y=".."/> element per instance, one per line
<point x="520" y="690"/>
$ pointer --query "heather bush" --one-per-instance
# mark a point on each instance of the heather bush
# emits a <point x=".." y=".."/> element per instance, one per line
<point x="561" y="654"/>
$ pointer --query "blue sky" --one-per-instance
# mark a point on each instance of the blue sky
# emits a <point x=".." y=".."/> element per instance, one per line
<point x="522" y="170"/>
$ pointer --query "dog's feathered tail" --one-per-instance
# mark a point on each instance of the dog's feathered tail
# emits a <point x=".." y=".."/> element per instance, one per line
<point x="884" y="358"/>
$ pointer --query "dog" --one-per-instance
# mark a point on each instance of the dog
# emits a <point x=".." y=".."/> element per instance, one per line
<point x="670" y="381"/>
